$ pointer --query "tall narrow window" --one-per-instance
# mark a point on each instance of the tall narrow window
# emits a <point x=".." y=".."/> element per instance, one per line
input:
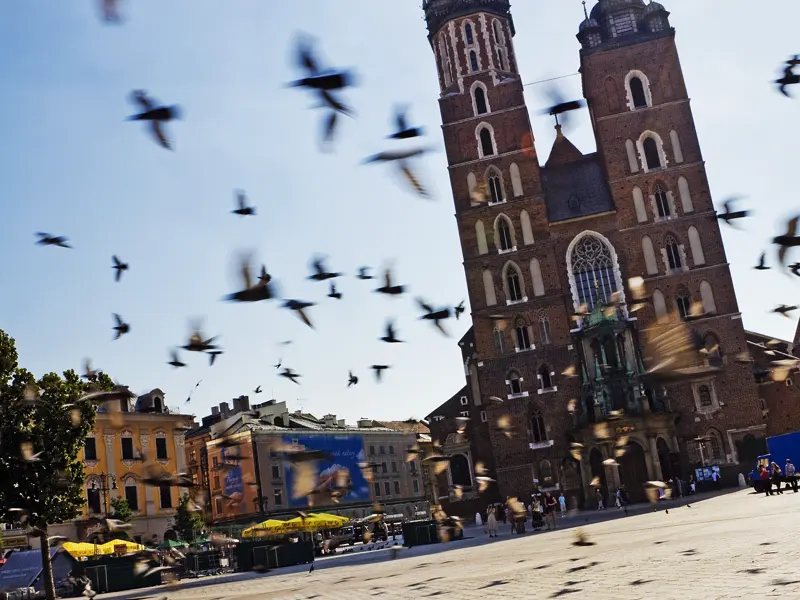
<point x="488" y="288"/>
<point x="649" y="256"/>
<point x="536" y="277"/>
<point x="89" y="449"/>
<point x="545" y="378"/>
<point x="705" y="397"/>
<point x="514" y="383"/>
<point x="686" y="196"/>
<point x="444" y="59"/>
<point x="480" y="236"/>
<point x="496" y="29"/>
<point x="651" y="155"/>
<point x="638" y="205"/>
<point x="473" y="61"/>
<point x="501" y="59"/>
<point x="165" y="494"/>
<point x="132" y="495"/>
<point x="662" y="201"/>
<point x="468" y="34"/>
<point x="487" y="146"/>
<point x="93" y="501"/>
<point x="707" y="296"/>
<point x="480" y="101"/>
<point x="495" y="189"/>
<point x="593" y="270"/>
<point x="673" y="253"/>
<point x="633" y="162"/>
<point x="677" y="151"/>
<point x="538" y="430"/>
<point x="514" y="286"/>
<point x="516" y="180"/>
<point x="523" y="337"/>
<point x="497" y="335"/>
<point x="637" y="93"/>
<point x="684" y="306"/>
<point x="698" y="256"/>
<point x="660" y="306"/>
<point x="504" y="234"/>
<point x="544" y="331"/>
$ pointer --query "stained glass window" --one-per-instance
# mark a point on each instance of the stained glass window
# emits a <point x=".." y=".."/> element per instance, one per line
<point x="593" y="269"/>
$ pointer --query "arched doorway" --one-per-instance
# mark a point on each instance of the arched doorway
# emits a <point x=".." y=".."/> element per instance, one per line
<point x="633" y="472"/>
<point x="598" y="470"/>
<point x="664" y="459"/>
<point x="460" y="471"/>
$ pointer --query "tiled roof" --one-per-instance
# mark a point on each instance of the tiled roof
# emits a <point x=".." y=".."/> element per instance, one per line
<point x="576" y="189"/>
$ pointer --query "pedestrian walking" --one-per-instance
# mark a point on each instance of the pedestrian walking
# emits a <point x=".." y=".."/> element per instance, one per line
<point x="491" y="522"/>
<point x="791" y="475"/>
<point x="777" y="476"/>
<point x="562" y="505"/>
<point x="763" y="476"/>
<point x="550" y="510"/>
<point x="598" y="495"/>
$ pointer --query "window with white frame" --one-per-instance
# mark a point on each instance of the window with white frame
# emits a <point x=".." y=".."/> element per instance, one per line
<point x="514" y="383"/>
<point x="464" y="401"/>
<point x="593" y="270"/>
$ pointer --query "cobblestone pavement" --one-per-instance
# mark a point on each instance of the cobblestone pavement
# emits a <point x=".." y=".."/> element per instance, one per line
<point x="738" y="545"/>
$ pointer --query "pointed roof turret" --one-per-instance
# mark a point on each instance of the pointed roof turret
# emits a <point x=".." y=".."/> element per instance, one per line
<point x="563" y="151"/>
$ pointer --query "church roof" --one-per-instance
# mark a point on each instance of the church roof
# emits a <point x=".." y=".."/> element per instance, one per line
<point x="563" y="151"/>
<point x="577" y="188"/>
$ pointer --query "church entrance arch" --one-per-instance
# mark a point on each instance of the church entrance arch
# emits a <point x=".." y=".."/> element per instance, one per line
<point x="633" y="472"/>
<point x="664" y="459"/>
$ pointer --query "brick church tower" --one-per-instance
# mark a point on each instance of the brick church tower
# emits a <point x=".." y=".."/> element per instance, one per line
<point x="549" y="250"/>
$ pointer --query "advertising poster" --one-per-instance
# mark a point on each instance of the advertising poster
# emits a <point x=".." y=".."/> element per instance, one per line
<point x="345" y="452"/>
<point x="233" y="485"/>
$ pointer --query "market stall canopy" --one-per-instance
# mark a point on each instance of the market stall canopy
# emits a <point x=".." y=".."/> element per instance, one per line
<point x="268" y="527"/>
<point x="169" y="544"/>
<point x="111" y="547"/>
<point x="318" y="521"/>
<point x="81" y="549"/>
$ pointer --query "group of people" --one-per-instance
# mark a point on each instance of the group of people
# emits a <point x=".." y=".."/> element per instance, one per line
<point x="772" y="475"/>
<point x="541" y="510"/>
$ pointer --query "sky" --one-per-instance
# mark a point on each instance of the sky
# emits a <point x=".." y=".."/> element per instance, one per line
<point x="71" y="165"/>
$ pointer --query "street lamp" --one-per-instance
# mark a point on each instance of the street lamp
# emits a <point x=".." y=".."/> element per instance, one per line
<point x="108" y="482"/>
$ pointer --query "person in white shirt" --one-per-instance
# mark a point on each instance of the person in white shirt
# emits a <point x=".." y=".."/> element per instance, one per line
<point x="790" y="473"/>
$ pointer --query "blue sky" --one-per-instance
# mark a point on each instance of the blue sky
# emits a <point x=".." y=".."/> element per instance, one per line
<point x="70" y="165"/>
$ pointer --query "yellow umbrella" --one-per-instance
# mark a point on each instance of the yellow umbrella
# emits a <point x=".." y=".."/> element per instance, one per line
<point x="270" y="526"/>
<point x="111" y="547"/>
<point x="317" y="521"/>
<point x="80" y="549"/>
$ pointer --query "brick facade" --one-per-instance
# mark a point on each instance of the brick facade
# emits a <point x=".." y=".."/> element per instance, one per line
<point x="647" y="147"/>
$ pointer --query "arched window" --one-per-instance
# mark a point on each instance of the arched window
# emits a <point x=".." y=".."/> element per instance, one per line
<point x="638" y="205"/>
<point x="132" y="493"/>
<point x="497" y="335"/>
<point x="481" y="107"/>
<point x="660" y="306"/>
<point x="696" y="245"/>
<point x="712" y="351"/>
<point x="514" y="287"/>
<point x="498" y="33"/>
<point x="714" y="446"/>
<point x="93" y="503"/>
<point x="545" y="378"/>
<point x="592" y="266"/>
<point x="460" y="471"/>
<point x="686" y="197"/>
<point x="637" y="93"/>
<point x="496" y="194"/>
<point x="525" y="223"/>
<point x="514" y="383"/>
<point x="486" y="139"/>
<point x="651" y="157"/>
<point x="649" y="256"/>
<point x="468" y="35"/>
<point x="544" y="331"/>
<point x="504" y="234"/>
<point x="538" y="429"/>
<point x="707" y="296"/>
<point x="480" y="235"/>
<point x="704" y="392"/>
<point x="472" y="184"/>
<point x="444" y="59"/>
<point x="677" y="152"/>
<point x="516" y="180"/>
<point x="488" y="288"/>
<point x="523" y="335"/>
<point x="473" y="60"/>
<point x="684" y="303"/>
<point x="673" y="253"/>
<point x="536" y="277"/>
<point x="633" y="162"/>
<point x="661" y="200"/>
<point x="637" y="88"/>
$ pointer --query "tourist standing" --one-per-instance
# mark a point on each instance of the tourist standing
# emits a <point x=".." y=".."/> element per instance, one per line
<point x="550" y="510"/>
<point x="790" y="473"/>
<point x="491" y="522"/>
<point x="562" y="505"/>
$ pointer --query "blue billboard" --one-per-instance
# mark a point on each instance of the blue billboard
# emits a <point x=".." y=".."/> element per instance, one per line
<point x="233" y="485"/>
<point x="345" y="452"/>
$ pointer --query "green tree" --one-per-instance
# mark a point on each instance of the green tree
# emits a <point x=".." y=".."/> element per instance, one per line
<point x="187" y="522"/>
<point x="43" y="425"/>
<point x="121" y="509"/>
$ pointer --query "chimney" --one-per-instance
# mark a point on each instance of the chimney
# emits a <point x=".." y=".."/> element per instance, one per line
<point x="364" y="423"/>
<point x="224" y="409"/>
<point x="244" y="403"/>
<point x="215" y="410"/>
<point x="329" y="420"/>
<point x="341" y="423"/>
<point x="237" y="405"/>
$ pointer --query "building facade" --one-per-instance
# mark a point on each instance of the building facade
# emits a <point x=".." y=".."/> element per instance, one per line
<point x="127" y="440"/>
<point x="251" y="480"/>
<point x="549" y="251"/>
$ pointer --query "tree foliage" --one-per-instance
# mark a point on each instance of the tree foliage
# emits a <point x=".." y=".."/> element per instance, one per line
<point x="187" y="523"/>
<point x="48" y="418"/>
<point x="121" y="509"/>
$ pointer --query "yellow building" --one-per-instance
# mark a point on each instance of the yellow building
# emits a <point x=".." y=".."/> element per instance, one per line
<point x="126" y="441"/>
